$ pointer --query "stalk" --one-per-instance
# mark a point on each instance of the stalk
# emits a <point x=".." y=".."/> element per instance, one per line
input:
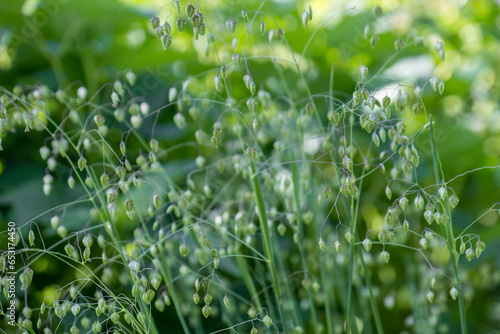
<point x="266" y="240"/>
<point x="448" y="232"/>
<point x="300" y="232"/>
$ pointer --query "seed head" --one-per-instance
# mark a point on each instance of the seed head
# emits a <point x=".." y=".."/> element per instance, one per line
<point x="252" y="104"/>
<point x="338" y="246"/>
<point x="267" y="321"/>
<point x="403" y="202"/>
<point x="424" y="243"/>
<point x="206" y="311"/>
<point x="305" y="18"/>
<point x="190" y="11"/>
<point x="231" y="25"/>
<point x="385" y="256"/>
<point x="321" y="244"/>
<point x="155" y="22"/>
<point x="333" y="117"/>
<point x="271" y="34"/>
<point x="388" y="192"/>
<point x="148" y="296"/>
<point x="244" y="15"/>
<point x="469" y="254"/>
<point x="208" y="299"/>
<point x="183" y="250"/>
<point x="367" y="244"/>
<point x="180" y="120"/>
<point x="31" y="237"/>
<point x="349" y="237"/>
<point x="429" y="216"/>
<point x="454" y="293"/>
<point x="453" y="201"/>
<point x="26" y="277"/>
<point x="429" y="296"/>
<point x="237" y="59"/>
<point x="180" y="24"/>
<point x="196" y="298"/>
<point x="166" y="40"/>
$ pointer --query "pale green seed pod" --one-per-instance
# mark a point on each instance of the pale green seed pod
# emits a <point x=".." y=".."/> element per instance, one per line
<point x="305" y="18"/>
<point x="453" y="201"/>
<point x="388" y="192"/>
<point x="86" y="254"/>
<point x="338" y="246"/>
<point x="130" y="214"/>
<point x="180" y="120"/>
<point x="87" y="241"/>
<point x="349" y="237"/>
<point x="268" y="321"/>
<point x="244" y="15"/>
<point x="184" y="250"/>
<point x="252" y="104"/>
<point x="469" y="254"/>
<point x="104" y="179"/>
<point x="271" y="34"/>
<point x="419" y="202"/>
<point x="262" y="27"/>
<point x="429" y="296"/>
<point x="119" y="115"/>
<point x="148" y="296"/>
<point x="208" y="298"/>
<point x="75" y="309"/>
<point x="69" y="249"/>
<point x="74" y="330"/>
<point x="26" y="277"/>
<point x="407" y="167"/>
<point x="367" y="244"/>
<point x="31" y="237"/>
<point x="385" y="256"/>
<point x="115" y="317"/>
<point x="424" y="243"/>
<point x="462" y="247"/>
<point x="157" y="201"/>
<point x="160" y="305"/>
<point x="327" y="192"/>
<point x="231" y="25"/>
<point x="226" y="301"/>
<point x="62" y="232"/>
<point x="236" y="59"/>
<point x="206" y="310"/>
<point x="376" y="139"/>
<point x="82" y="163"/>
<point x="429" y="216"/>
<point x="252" y="153"/>
<point x="403" y="202"/>
<point x="153" y="144"/>
<point x="44" y="152"/>
<point x="334" y="117"/>
<point x="443" y="193"/>
<point x="321" y="244"/>
<point x="454" y="293"/>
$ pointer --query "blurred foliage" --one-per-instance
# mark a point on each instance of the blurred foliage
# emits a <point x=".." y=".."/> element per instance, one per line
<point x="67" y="43"/>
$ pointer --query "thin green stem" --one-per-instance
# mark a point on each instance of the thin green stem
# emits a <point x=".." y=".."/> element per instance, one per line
<point x="300" y="232"/>
<point x="448" y="230"/>
<point x="266" y="241"/>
